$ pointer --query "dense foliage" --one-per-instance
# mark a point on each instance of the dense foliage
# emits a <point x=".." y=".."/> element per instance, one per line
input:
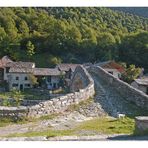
<point x="141" y="11"/>
<point x="130" y="74"/>
<point x="73" y="35"/>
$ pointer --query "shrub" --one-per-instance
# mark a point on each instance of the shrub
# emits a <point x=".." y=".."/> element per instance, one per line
<point x="16" y="95"/>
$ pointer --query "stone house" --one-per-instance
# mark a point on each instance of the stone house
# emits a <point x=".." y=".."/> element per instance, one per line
<point x="19" y="78"/>
<point x="67" y="70"/>
<point x="50" y="75"/>
<point x="17" y="74"/>
<point x="141" y="84"/>
<point x="112" y="67"/>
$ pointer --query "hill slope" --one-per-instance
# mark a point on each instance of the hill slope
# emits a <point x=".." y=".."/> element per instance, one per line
<point x="70" y="34"/>
<point x="141" y="11"/>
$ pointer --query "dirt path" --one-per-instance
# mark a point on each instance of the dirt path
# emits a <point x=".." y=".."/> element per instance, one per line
<point x="62" y="122"/>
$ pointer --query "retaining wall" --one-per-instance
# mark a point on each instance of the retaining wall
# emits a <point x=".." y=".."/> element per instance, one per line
<point x="58" y="104"/>
<point x="127" y="91"/>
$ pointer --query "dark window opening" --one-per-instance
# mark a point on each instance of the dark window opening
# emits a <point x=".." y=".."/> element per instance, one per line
<point x="17" y="78"/>
<point x="49" y="78"/>
<point x="26" y="78"/>
<point x="21" y="87"/>
<point x="7" y="69"/>
<point x="1" y="74"/>
<point x="54" y="85"/>
<point x="27" y="85"/>
<point x="14" y="85"/>
<point x="111" y="72"/>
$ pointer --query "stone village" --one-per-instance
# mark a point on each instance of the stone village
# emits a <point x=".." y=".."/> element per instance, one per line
<point x="83" y="81"/>
<point x="18" y="74"/>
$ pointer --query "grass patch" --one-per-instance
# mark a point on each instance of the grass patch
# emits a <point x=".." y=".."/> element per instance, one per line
<point x="9" y="121"/>
<point x="27" y="94"/>
<point x="47" y="117"/>
<point x="5" y="122"/>
<point x="76" y="107"/>
<point x="47" y="133"/>
<point x="109" y="126"/>
<point x="97" y="125"/>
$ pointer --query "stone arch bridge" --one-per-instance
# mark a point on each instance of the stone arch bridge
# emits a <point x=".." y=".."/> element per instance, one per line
<point x="111" y="94"/>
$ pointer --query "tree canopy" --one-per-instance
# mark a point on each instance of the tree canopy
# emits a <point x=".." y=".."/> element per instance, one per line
<point x="74" y="35"/>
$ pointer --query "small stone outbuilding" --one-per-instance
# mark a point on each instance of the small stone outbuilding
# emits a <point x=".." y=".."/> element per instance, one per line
<point x="141" y="84"/>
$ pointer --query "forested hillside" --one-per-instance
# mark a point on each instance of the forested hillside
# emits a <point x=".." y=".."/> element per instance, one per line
<point x="141" y="11"/>
<point x="52" y="35"/>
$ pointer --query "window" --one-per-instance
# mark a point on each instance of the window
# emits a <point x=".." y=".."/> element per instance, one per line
<point x="49" y="78"/>
<point x="7" y="69"/>
<point x="16" y="78"/>
<point x="111" y="72"/>
<point x="26" y="78"/>
<point x="1" y="74"/>
<point x="27" y="85"/>
<point x="54" y="85"/>
<point x="14" y="85"/>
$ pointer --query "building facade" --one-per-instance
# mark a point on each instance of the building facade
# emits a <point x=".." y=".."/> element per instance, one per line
<point x="112" y="67"/>
<point x="17" y="74"/>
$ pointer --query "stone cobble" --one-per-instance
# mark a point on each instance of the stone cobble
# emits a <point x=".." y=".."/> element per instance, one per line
<point x="120" y="88"/>
<point x="110" y="100"/>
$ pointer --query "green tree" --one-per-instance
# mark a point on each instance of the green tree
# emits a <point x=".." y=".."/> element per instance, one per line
<point x="53" y="61"/>
<point x="106" y="46"/>
<point x="30" y="49"/>
<point x="33" y="79"/>
<point x="17" y="96"/>
<point x="134" y="49"/>
<point x="131" y="73"/>
<point x="23" y="28"/>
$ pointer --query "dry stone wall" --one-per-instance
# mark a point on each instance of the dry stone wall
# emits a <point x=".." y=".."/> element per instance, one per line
<point x="58" y="104"/>
<point x="141" y="125"/>
<point x="127" y="91"/>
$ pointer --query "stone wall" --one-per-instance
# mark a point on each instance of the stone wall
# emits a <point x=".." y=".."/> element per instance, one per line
<point x="127" y="91"/>
<point x="80" y="79"/>
<point x="58" y="104"/>
<point x="141" y="125"/>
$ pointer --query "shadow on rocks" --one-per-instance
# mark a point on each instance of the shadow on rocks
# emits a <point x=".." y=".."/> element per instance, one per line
<point x="129" y="137"/>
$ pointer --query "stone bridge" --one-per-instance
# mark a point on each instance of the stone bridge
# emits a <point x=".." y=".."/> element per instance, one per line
<point x="115" y="96"/>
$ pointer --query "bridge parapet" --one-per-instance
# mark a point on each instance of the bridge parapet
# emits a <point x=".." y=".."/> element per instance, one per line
<point x="127" y="91"/>
<point x="81" y="79"/>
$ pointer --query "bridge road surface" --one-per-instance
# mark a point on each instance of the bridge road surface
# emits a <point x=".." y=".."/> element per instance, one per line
<point x="110" y="100"/>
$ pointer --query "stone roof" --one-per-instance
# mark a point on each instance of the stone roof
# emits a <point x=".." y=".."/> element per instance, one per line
<point x="66" y="67"/>
<point x="20" y="70"/>
<point x="36" y="71"/>
<point x="20" y="64"/>
<point x="46" y="72"/>
<point x="111" y="65"/>
<point x="5" y="60"/>
<point x="142" y="81"/>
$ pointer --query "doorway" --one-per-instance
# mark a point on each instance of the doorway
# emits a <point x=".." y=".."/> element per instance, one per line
<point x="21" y="86"/>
